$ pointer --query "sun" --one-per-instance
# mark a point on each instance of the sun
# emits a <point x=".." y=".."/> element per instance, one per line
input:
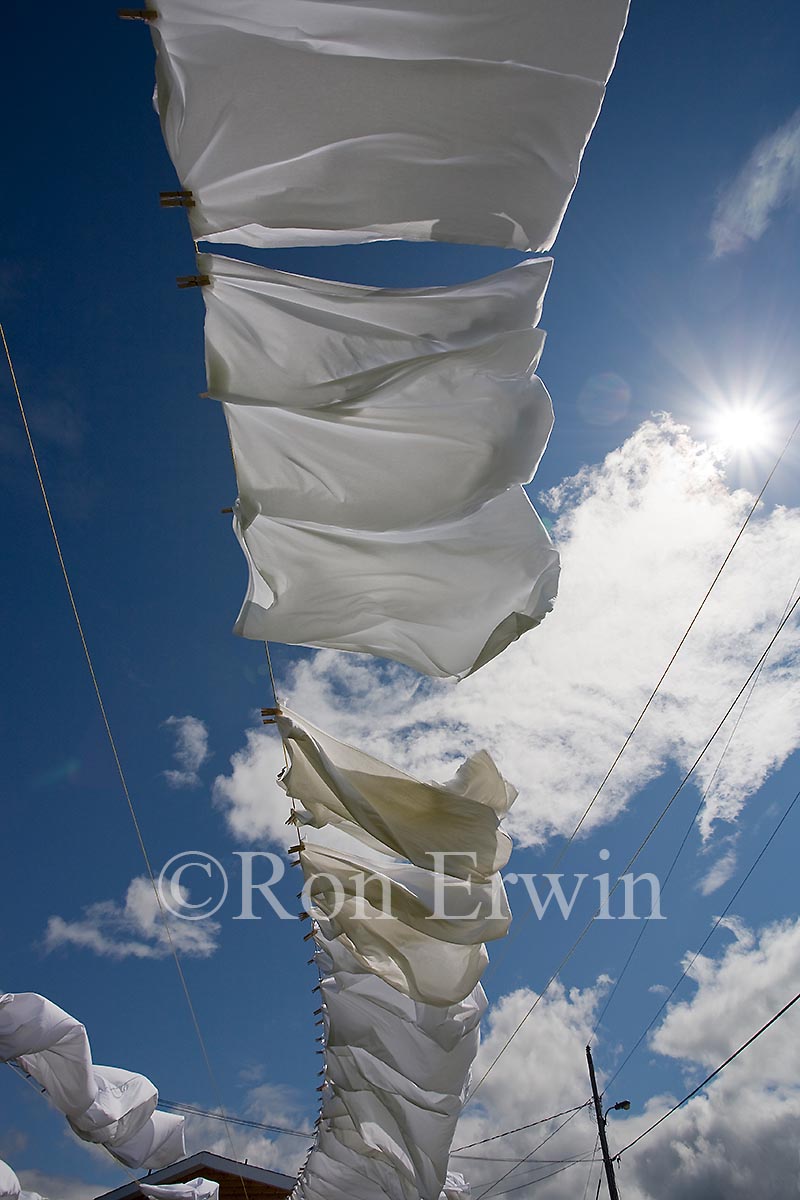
<point x="742" y="427"/>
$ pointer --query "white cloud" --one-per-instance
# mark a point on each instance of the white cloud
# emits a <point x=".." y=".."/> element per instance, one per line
<point x="719" y="873"/>
<point x="768" y="180"/>
<point x="58" y="1187"/>
<point x="641" y="537"/>
<point x="135" y="928"/>
<point x="735" y="1140"/>
<point x="268" y="1104"/>
<point x="191" y="750"/>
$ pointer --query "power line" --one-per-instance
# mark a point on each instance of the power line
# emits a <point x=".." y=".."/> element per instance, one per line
<point x="193" y="1111"/>
<point x="641" y="847"/>
<point x="714" y="1073"/>
<point x="705" y="941"/>
<point x="111" y="739"/>
<point x="689" y="828"/>
<point x="561" y="853"/>
<point x="521" y="1128"/>
<point x="521" y="1162"/>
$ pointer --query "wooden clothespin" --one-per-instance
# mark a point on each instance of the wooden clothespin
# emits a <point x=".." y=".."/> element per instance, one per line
<point x="182" y="199"/>
<point x="190" y="281"/>
<point x="298" y="849"/>
<point x="226" y="510"/>
<point x="311" y="933"/>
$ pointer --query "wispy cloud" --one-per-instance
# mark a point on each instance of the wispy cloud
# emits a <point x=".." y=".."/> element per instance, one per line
<point x="135" y="928"/>
<point x="768" y="180"/>
<point x="641" y="536"/>
<point x="191" y="750"/>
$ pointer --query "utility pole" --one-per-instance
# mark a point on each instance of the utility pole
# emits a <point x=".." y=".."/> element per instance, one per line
<point x="601" y="1129"/>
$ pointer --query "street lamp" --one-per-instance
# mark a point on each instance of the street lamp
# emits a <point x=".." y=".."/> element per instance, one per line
<point x="620" y="1106"/>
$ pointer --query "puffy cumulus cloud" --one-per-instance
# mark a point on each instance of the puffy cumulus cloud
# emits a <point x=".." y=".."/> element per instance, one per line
<point x="270" y="1105"/>
<point x="135" y="928"/>
<point x="641" y="536"/>
<point x="737" y="993"/>
<point x="768" y="180"/>
<point x="738" y="1138"/>
<point x="734" y="1140"/>
<point x="543" y="1072"/>
<point x="191" y="750"/>
<point x="254" y="806"/>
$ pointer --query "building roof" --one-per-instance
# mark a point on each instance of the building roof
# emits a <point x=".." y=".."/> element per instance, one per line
<point x="260" y="1183"/>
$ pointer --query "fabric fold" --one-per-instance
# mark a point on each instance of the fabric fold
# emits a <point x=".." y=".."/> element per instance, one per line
<point x="105" y="1105"/>
<point x="400" y="951"/>
<point x="407" y="121"/>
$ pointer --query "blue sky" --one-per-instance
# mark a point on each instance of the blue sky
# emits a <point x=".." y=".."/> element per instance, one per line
<point x="642" y="317"/>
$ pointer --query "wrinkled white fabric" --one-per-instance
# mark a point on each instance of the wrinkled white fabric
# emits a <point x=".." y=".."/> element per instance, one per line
<point x="443" y="599"/>
<point x="339" y="416"/>
<point x="330" y="121"/>
<point x="400" y="953"/>
<point x="9" y="1184"/>
<point x="195" y="1189"/>
<point x="380" y="439"/>
<point x="258" y="320"/>
<point x="420" y="931"/>
<point x="397" y="1072"/>
<point x="374" y="802"/>
<point x="105" y="1105"/>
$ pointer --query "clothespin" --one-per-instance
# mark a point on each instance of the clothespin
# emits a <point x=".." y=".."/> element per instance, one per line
<point x="182" y="199"/>
<point x="190" y="281"/>
<point x="137" y="14"/>
<point x="298" y="849"/>
<point x="272" y="712"/>
<point x="317" y="1012"/>
<point x="226" y="510"/>
<point x="304" y="916"/>
<point x="311" y="933"/>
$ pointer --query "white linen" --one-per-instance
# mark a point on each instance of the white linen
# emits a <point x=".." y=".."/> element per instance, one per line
<point x="372" y="801"/>
<point x="443" y="599"/>
<point x="9" y="1184"/>
<point x="335" y="122"/>
<point x="400" y="953"/>
<point x="397" y="1073"/>
<point x="195" y="1189"/>
<point x="279" y="338"/>
<point x="105" y="1105"/>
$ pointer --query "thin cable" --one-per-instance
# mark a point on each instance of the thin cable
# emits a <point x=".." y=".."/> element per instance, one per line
<point x="713" y="1074"/>
<point x="680" y="645"/>
<point x="502" y="955"/>
<point x="705" y="941"/>
<point x="193" y="1111"/>
<point x="589" y="1176"/>
<point x="532" y="1182"/>
<point x="521" y="1128"/>
<point x="110" y="736"/>
<point x="689" y="828"/>
<point x="641" y="847"/>
<point x="521" y="1162"/>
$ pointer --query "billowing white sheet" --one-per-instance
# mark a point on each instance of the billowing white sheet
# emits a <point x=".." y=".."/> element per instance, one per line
<point x="105" y="1105"/>
<point x="444" y="599"/>
<point x="382" y="806"/>
<point x="335" y="121"/>
<point x="400" y="953"/>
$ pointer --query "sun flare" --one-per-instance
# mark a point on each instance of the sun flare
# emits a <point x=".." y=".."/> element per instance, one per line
<point x="742" y="427"/>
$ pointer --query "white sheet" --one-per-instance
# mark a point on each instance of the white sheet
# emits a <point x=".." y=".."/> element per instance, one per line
<point x="335" y="122"/>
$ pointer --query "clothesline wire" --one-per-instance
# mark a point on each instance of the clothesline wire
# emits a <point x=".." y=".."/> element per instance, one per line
<point x="192" y="1110"/>
<point x="499" y="958"/>
<point x="689" y="828"/>
<point x="781" y="1012"/>
<point x="638" y="851"/>
<point x="112" y="743"/>
<point x="718" y="921"/>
